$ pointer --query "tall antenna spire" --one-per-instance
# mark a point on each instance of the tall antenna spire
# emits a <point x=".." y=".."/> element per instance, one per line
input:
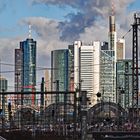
<point x="30" y="30"/>
<point x="112" y="8"/>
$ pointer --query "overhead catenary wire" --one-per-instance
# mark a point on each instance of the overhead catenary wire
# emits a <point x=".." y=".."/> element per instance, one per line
<point x="39" y="68"/>
<point x="126" y="33"/>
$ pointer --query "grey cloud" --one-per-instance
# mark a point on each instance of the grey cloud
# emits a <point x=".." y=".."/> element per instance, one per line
<point x="89" y="11"/>
<point x="88" y="24"/>
<point x="7" y="46"/>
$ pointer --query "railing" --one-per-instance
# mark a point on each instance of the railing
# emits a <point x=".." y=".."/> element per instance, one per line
<point x="1" y="138"/>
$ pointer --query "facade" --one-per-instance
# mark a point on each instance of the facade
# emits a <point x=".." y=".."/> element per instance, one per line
<point x="3" y="99"/>
<point x="112" y="33"/>
<point x="107" y="75"/>
<point x="60" y="71"/>
<point x="47" y="85"/>
<point x="47" y="80"/>
<point x="71" y="67"/>
<point x="108" y="70"/>
<point x="18" y="72"/>
<point x="28" y="77"/>
<point x="87" y="69"/>
<point x="104" y="46"/>
<point x="94" y="70"/>
<point x="3" y="84"/>
<point x="25" y="69"/>
<point x="124" y="82"/>
<point x="120" y="49"/>
<point x="85" y="72"/>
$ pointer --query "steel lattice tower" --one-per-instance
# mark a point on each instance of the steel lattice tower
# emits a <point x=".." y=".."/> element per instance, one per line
<point x="135" y="63"/>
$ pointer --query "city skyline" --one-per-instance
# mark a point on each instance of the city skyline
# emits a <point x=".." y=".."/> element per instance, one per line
<point x="54" y="31"/>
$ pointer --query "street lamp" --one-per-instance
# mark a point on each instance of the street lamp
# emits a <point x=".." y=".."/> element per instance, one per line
<point x="98" y="96"/>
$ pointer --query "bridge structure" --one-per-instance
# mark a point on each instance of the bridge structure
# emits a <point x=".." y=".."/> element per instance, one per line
<point x="65" y="119"/>
<point x="106" y="110"/>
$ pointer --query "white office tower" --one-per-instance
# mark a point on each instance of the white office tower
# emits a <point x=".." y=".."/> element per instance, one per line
<point x="87" y="68"/>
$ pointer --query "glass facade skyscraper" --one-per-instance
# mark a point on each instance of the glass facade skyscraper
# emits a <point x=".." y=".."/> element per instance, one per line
<point x="28" y="77"/>
<point x="25" y="68"/>
<point x="107" y="75"/>
<point x="124" y="82"/>
<point x="60" y="78"/>
<point x="59" y="64"/>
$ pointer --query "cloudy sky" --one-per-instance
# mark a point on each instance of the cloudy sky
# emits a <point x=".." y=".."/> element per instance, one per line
<point x="57" y="23"/>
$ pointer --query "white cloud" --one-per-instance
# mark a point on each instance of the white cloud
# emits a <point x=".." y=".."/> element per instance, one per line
<point x="48" y="34"/>
<point x="7" y="47"/>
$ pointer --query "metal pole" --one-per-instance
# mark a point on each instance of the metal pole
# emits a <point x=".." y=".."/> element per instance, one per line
<point x="75" y="114"/>
<point x="42" y="99"/>
<point x="84" y="115"/>
<point x="56" y="104"/>
<point x="3" y="109"/>
<point x="17" y="88"/>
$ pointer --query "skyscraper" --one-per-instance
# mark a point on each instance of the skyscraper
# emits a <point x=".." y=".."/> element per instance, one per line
<point x="47" y="85"/>
<point x="60" y="72"/>
<point x="124" y="82"/>
<point x="25" y="67"/>
<point x="86" y="68"/>
<point x="18" y="72"/>
<point x="107" y="75"/>
<point x="3" y="98"/>
<point x="28" y="77"/>
<point x="90" y="68"/>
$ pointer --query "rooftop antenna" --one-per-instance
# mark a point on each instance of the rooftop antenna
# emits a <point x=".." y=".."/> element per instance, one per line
<point x="30" y="30"/>
<point x="112" y="8"/>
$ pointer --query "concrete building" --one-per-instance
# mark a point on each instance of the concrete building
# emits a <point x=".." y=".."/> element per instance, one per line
<point x="86" y="68"/>
<point x="120" y="49"/>
<point x="47" y="85"/>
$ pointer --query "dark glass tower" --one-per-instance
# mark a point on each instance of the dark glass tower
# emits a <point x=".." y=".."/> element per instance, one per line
<point x="25" y="68"/>
<point x="18" y="73"/>
<point x="60" y="63"/>
<point x="28" y="77"/>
